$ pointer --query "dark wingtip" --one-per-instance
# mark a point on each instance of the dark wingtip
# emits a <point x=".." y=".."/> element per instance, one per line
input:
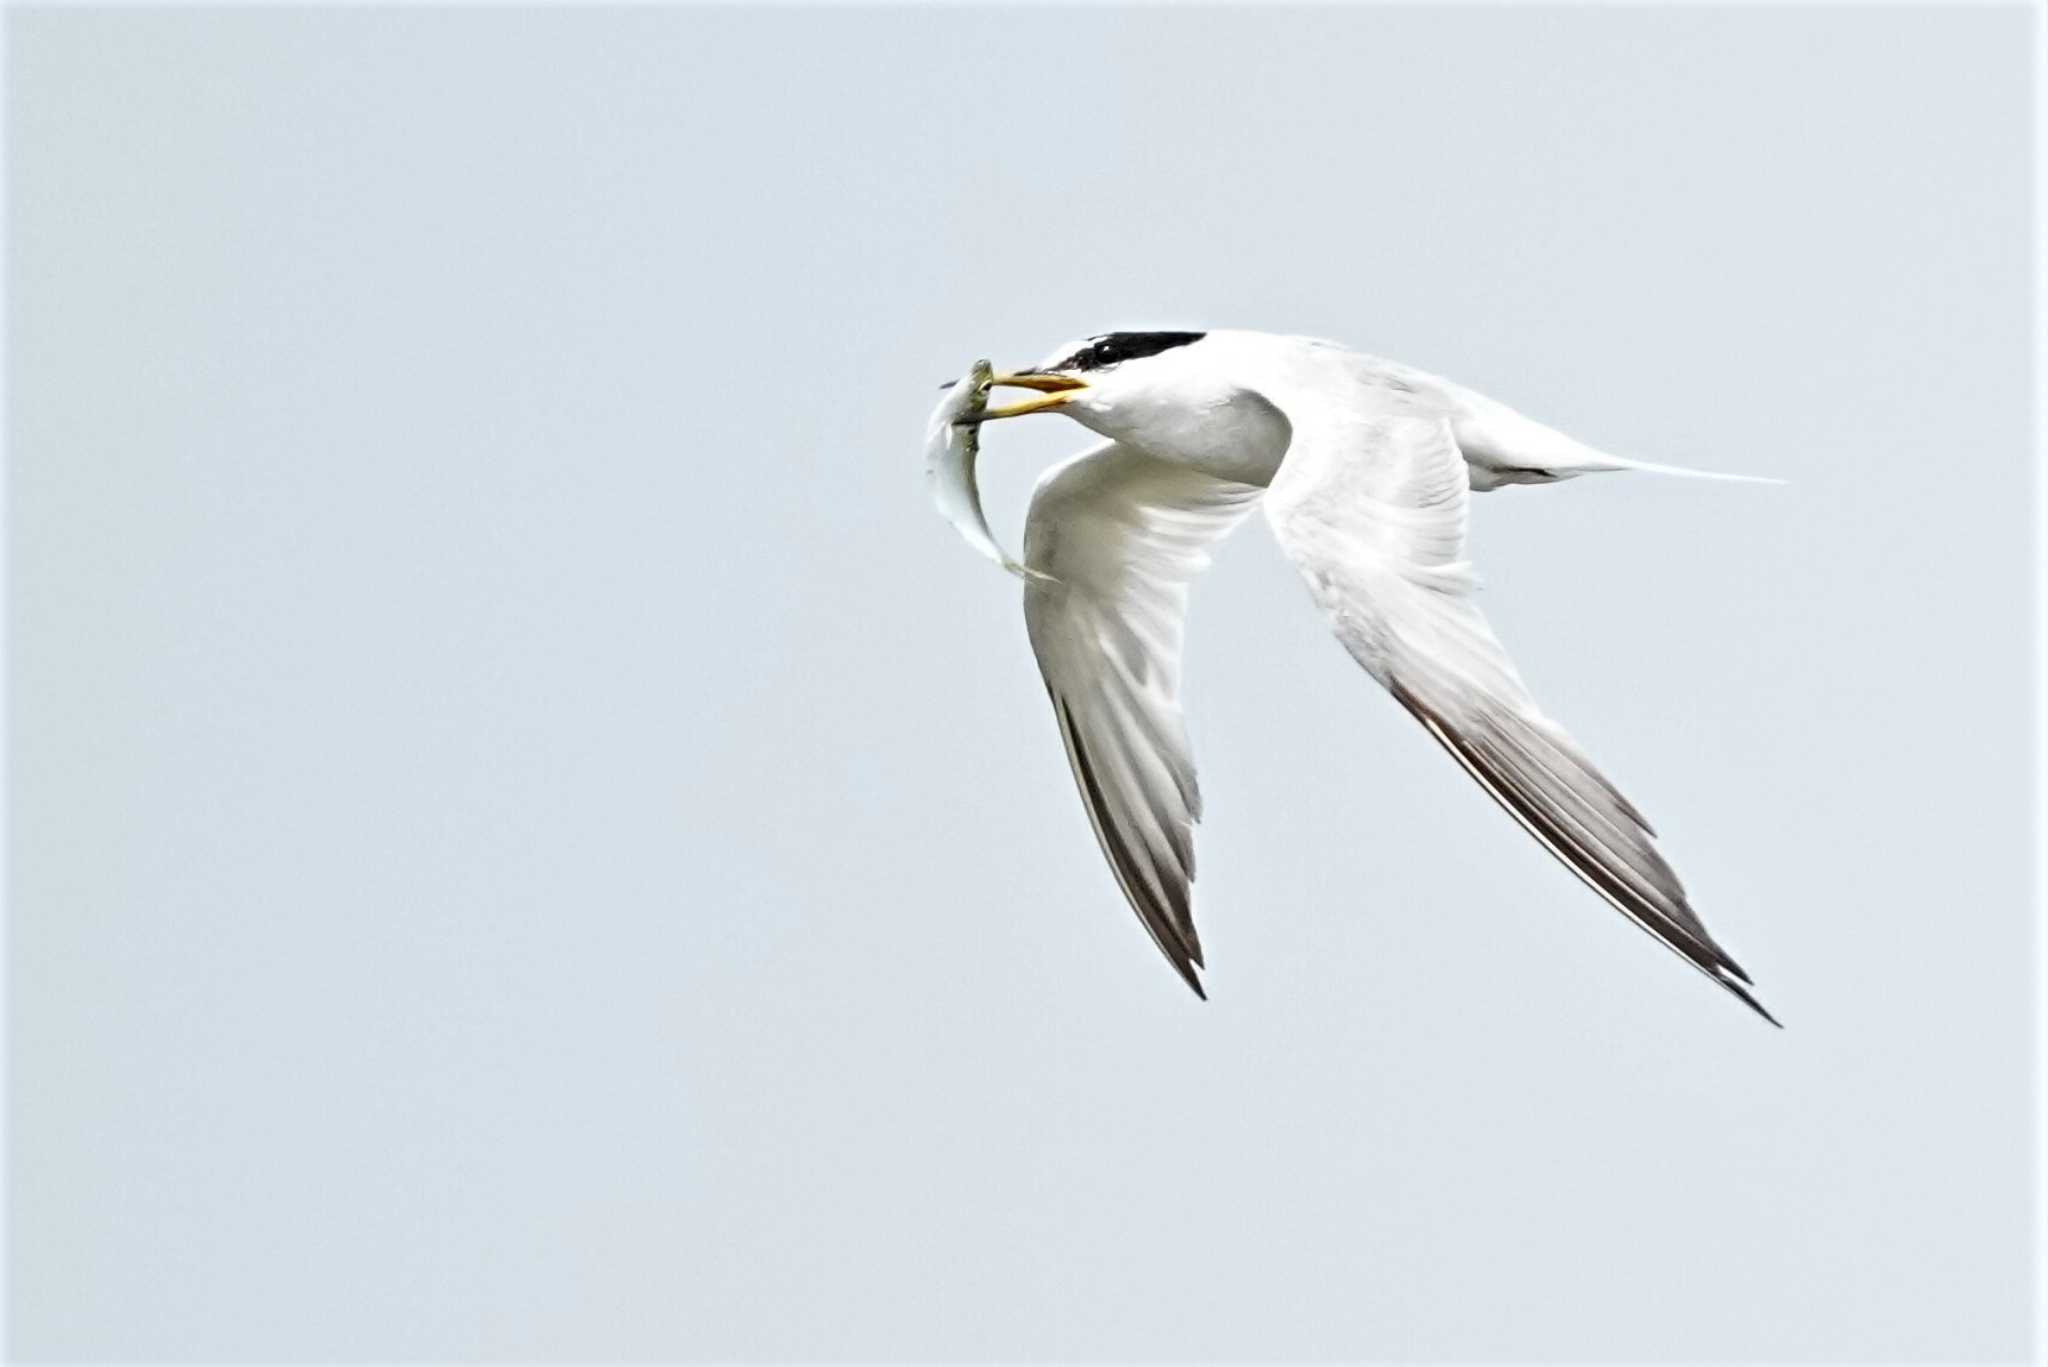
<point x="1174" y="935"/>
<point x="1751" y="1002"/>
<point x="1694" y="946"/>
<point x="1733" y="969"/>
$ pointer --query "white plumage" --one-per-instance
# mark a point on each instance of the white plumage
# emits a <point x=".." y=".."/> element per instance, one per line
<point x="1364" y="468"/>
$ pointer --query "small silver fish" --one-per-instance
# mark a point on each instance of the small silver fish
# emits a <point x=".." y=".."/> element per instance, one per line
<point x="951" y="444"/>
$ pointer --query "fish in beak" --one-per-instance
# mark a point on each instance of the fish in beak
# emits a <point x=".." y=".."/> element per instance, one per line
<point x="1053" y="391"/>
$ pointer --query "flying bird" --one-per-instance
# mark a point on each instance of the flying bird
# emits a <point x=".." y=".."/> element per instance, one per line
<point x="1363" y="468"/>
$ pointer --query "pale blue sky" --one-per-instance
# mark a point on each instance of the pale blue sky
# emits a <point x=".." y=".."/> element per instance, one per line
<point x="532" y="842"/>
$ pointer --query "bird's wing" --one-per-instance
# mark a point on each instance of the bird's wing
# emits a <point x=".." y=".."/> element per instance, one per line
<point x="1372" y="510"/>
<point x="1119" y="536"/>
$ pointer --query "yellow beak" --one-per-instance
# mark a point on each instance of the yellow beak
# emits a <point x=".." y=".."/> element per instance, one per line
<point x="1053" y="391"/>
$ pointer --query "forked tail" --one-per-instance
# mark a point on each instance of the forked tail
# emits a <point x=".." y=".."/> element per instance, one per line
<point x="1651" y="467"/>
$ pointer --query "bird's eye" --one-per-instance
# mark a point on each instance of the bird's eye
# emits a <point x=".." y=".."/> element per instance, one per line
<point x="1105" y="353"/>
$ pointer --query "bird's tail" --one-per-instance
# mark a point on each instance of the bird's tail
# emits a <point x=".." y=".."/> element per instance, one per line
<point x="1651" y="467"/>
<point x="1503" y="447"/>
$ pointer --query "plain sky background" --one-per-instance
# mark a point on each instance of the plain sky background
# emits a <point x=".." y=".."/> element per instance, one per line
<point x="531" y="841"/>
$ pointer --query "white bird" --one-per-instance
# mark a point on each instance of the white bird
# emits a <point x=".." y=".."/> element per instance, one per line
<point x="1363" y="467"/>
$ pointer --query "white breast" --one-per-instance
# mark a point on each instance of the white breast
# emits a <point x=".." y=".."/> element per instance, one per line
<point x="1232" y="433"/>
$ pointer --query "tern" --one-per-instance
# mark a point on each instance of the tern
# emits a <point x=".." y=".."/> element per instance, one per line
<point x="1364" y="468"/>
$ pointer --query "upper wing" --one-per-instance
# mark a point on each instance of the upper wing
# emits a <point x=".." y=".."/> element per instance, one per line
<point x="1371" y="509"/>
<point x="1120" y="536"/>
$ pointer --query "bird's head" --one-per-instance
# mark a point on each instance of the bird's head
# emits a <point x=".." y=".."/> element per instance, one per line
<point x="1112" y="380"/>
<point x="1187" y="397"/>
